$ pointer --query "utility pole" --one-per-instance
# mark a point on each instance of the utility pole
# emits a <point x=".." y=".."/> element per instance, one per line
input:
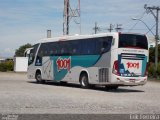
<point x="68" y="14"/>
<point x="151" y="10"/>
<point x="66" y="18"/>
<point x="110" y="28"/>
<point x="118" y="28"/>
<point x="96" y="28"/>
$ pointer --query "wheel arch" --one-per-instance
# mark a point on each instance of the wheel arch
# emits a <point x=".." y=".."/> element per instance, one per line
<point x="84" y="71"/>
<point x="38" y="71"/>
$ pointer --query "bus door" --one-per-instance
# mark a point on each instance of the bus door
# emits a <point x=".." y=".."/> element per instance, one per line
<point x="48" y="71"/>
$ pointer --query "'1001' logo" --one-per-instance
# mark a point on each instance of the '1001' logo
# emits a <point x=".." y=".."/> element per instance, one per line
<point x="133" y="65"/>
<point x="63" y="63"/>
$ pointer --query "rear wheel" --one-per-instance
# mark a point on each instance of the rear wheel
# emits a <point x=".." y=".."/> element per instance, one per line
<point x="84" y="81"/>
<point x="39" y="78"/>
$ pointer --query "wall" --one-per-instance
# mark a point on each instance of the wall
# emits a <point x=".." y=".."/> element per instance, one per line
<point x="20" y="64"/>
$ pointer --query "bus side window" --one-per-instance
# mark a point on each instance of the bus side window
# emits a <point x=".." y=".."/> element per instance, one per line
<point x="74" y="51"/>
<point x="51" y="53"/>
<point x="104" y="44"/>
<point x="75" y="47"/>
<point x="88" y="46"/>
<point x="54" y="48"/>
<point x="62" y="50"/>
<point x="46" y="52"/>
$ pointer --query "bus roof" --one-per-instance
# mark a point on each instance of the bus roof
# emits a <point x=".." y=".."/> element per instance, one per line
<point x="66" y="38"/>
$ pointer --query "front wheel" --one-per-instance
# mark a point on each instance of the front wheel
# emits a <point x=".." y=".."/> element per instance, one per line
<point x="39" y="78"/>
<point x="84" y="81"/>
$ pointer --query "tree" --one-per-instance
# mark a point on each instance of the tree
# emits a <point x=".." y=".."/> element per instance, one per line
<point x="152" y="54"/>
<point x="20" y="51"/>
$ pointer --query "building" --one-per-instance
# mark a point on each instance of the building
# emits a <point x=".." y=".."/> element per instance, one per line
<point x="152" y="42"/>
<point x="2" y="59"/>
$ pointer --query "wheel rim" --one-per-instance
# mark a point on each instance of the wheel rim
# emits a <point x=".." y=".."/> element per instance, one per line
<point x="39" y="77"/>
<point x="83" y="81"/>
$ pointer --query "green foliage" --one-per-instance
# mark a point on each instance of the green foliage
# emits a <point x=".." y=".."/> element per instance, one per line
<point x="7" y="66"/>
<point x="20" y="51"/>
<point x="10" y="65"/>
<point x="151" y="70"/>
<point x="152" y="54"/>
<point x="158" y="69"/>
<point x="3" y="67"/>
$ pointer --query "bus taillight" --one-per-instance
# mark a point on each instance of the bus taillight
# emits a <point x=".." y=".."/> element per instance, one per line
<point x="115" y="68"/>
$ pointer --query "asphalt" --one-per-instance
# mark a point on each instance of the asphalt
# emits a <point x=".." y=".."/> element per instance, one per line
<point x="19" y="95"/>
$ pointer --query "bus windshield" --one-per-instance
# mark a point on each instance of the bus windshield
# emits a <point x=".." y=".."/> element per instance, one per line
<point x="32" y="54"/>
<point x="133" y="41"/>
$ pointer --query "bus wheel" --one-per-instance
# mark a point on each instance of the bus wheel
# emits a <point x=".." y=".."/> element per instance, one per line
<point x="39" y="78"/>
<point x="84" y="81"/>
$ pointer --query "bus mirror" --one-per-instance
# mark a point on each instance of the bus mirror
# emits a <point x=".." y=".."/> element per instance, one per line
<point x="113" y="41"/>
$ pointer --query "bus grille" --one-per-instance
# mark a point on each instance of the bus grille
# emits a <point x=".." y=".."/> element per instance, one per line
<point x="103" y="74"/>
<point x="130" y="56"/>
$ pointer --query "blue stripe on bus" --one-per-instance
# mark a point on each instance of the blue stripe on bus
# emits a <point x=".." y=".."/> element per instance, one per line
<point x="144" y="64"/>
<point x="82" y="61"/>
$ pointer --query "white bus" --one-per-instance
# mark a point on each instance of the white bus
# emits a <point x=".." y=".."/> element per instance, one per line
<point x="108" y="59"/>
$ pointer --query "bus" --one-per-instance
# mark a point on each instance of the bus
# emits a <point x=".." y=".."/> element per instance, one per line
<point x="106" y="59"/>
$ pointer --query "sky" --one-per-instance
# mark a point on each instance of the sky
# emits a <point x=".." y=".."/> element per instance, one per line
<point x="26" y="21"/>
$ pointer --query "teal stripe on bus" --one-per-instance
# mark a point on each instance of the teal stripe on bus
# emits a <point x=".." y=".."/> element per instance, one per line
<point x="62" y="67"/>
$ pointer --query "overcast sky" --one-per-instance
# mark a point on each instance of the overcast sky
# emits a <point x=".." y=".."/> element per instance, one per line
<point x="26" y="21"/>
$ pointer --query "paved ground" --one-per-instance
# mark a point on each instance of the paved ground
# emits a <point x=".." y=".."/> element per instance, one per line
<point x="21" y="95"/>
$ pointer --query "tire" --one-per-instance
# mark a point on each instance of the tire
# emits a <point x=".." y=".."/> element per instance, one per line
<point x="84" y="81"/>
<point x="39" y="78"/>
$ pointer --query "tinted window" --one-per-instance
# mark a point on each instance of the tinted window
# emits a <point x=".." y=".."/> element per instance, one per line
<point x="91" y="46"/>
<point x="64" y="48"/>
<point x="133" y="41"/>
<point x="43" y="50"/>
<point x="88" y="46"/>
<point x="75" y="47"/>
<point x="53" y="48"/>
<point x="32" y="54"/>
<point x="104" y="44"/>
